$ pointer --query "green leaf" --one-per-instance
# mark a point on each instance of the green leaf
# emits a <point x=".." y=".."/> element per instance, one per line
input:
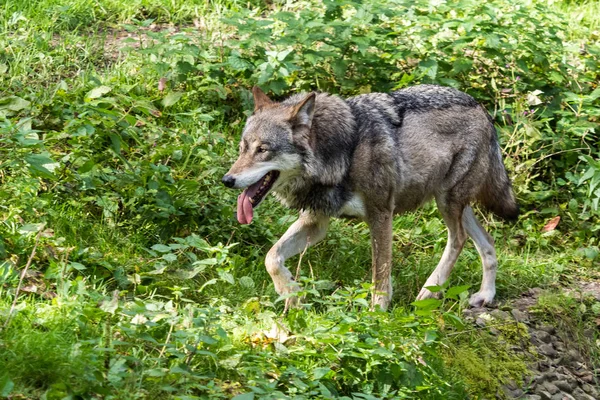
<point x="37" y="165"/>
<point x="77" y="266"/>
<point x="169" y="257"/>
<point x="238" y="63"/>
<point x="161" y="248"/>
<point x="98" y="92"/>
<point x="454" y="291"/>
<point x="429" y="68"/>
<point x="6" y="385"/>
<point x="318" y="373"/>
<point x="86" y="167"/>
<point x="246" y="282"/>
<point x="588" y="174"/>
<point x="227" y="277"/>
<point x="171" y="99"/>
<point x="434" y="288"/>
<point x="13" y="103"/>
<point x="208" y="340"/>
<point x="427" y="304"/>
<point x="244" y="396"/>
<point x="462" y="65"/>
<point x="28" y="228"/>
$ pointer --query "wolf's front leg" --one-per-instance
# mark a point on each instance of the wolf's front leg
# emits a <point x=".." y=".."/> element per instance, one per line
<point x="306" y="231"/>
<point x="380" y="224"/>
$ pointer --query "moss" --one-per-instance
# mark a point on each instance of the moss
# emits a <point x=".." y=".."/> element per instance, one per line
<point x="485" y="363"/>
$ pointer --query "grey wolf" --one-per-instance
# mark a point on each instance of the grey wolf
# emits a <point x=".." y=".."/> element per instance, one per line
<point x="370" y="157"/>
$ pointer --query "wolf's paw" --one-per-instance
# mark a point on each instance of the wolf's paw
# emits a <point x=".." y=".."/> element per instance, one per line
<point x="427" y="294"/>
<point x="482" y="298"/>
<point x="294" y="301"/>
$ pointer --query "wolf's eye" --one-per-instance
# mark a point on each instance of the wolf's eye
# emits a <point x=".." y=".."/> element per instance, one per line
<point x="261" y="149"/>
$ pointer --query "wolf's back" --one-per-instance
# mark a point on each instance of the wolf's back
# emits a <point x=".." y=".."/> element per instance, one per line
<point x="496" y="194"/>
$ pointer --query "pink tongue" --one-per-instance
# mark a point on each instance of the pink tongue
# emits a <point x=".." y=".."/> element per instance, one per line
<point x="245" y="210"/>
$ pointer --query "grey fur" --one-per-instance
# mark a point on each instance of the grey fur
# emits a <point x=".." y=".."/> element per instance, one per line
<point x="376" y="155"/>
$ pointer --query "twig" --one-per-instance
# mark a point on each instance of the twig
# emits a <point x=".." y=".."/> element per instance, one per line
<point x="300" y="259"/>
<point x="14" y="303"/>
<point x="162" y="351"/>
<point x="289" y="299"/>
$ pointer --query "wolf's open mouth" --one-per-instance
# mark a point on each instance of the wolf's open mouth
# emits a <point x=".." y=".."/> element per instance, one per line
<point x="253" y="195"/>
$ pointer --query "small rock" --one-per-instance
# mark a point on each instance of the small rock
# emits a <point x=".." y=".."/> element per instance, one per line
<point x="563" y="385"/>
<point x="533" y="397"/>
<point x="587" y="378"/>
<point x="476" y="311"/>
<point x="511" y="384"/>
<point x="589" y="333"/>
<point x="548" y="350"/>
<point x="545" y="395"/>
<point x="574" y="354"/>
<point x="513" y="393"/>
<point x="548" y="328"/>
<point x="562" y="396"/>
<point x="520" y="316"/>
<point x="480" y="322"/>
<point x="499" y="314"/>
<point x="589" y="389"/>
<point x="543" y="365"/>
<point x="559" y="346"/>
<point x="550" y="387"/>
<point x="579" y="394"/>
<point x="563" y="370"/>
<point x="543" y="336"/>
<point x="534" y="292"/>
<point x="550" y="375"/>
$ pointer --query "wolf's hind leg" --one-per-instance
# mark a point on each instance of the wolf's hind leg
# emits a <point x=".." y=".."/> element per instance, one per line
<point x="485" y="247"/>
<point x="380" y="224"/>
<point x="306" y="231"/>
<point x="456" y="240"/>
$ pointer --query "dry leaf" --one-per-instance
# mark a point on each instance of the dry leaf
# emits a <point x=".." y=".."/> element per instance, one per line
<point x="551" y="225"/>
<point x="29" y="289"/>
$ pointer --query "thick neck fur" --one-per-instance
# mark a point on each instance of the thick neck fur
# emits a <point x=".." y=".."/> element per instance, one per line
<point x="326" y="153"/>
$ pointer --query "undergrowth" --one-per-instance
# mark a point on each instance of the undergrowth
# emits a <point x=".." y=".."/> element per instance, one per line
<point x="117" y="121"/>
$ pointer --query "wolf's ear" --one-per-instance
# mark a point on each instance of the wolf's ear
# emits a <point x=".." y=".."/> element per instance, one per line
<point x="302" y="113"/>
<point x="261" y="100"/>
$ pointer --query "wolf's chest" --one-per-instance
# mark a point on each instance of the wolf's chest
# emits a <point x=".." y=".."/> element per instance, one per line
<point x="355" y="207"/>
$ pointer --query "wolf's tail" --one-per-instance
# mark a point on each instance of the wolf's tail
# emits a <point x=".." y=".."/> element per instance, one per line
<point x="497" y="194"/>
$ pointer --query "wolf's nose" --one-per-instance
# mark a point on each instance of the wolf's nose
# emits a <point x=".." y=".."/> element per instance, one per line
<point x="228" y="181"/>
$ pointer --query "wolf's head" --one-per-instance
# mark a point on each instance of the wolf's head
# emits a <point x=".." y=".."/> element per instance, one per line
<point x="272" y="142"/>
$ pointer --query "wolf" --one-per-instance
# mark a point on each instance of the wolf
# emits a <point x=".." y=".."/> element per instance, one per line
<point x="370" y="157"/>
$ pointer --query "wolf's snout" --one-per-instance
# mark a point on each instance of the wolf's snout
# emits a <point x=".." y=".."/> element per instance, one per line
<point x="228" y="181"/>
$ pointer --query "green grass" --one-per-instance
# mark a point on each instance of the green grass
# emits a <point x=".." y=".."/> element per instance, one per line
<point x="144" y="286"/>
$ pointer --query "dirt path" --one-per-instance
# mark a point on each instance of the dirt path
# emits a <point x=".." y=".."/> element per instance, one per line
<point x="560" y="369"/>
